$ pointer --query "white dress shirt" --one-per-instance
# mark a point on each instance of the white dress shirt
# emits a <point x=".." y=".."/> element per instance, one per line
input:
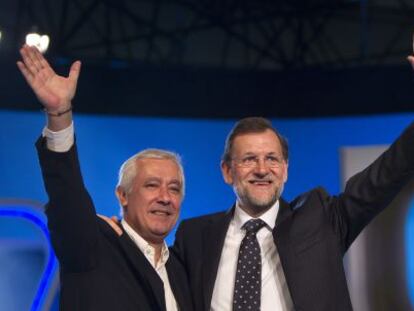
<point x="275" y="295"/>
<point x="62" y="141"/>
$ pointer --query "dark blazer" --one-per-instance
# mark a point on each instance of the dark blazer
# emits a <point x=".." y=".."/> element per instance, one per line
<point x="98" y="270"/>
<point x="312" y="233"/>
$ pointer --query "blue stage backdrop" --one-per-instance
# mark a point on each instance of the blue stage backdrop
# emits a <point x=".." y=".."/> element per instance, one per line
<point x="105" y="142"/>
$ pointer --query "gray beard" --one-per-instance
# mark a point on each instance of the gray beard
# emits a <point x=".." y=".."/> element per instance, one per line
<point x="257" y="206"/>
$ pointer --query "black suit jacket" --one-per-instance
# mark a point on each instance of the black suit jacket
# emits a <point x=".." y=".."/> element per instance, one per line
<point x="312" y="233"/>
<point x="98" y="269"/>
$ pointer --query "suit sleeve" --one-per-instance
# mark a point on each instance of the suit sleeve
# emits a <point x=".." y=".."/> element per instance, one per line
<point x="71" y="215"/>
<point x="369" y="192"/>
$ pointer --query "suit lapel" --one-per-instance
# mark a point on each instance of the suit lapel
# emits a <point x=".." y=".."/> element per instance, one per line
<point x="145" y="273"/>
<point x="281" y="229"/>
<point x="178" y="283"/>
<point x="281" y="239"/>
<point x="214" y="235"/>
<point x="284" y="213"/>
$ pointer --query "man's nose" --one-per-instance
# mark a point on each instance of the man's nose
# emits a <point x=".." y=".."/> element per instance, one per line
<point x="164" y="196"/>
<point x="261" y="168"/>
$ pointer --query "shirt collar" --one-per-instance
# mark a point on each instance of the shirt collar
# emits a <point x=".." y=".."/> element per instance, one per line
<point x="269" y="217"/>
<point x="145" y="247"/>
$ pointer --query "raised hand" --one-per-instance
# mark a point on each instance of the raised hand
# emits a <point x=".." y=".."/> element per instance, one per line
<point x="411" y="60"/>
<point x="53" y="91"/>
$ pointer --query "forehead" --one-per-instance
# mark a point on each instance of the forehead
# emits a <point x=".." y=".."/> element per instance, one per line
<point x="263" y="142"/>
<point x="157" y="168"/>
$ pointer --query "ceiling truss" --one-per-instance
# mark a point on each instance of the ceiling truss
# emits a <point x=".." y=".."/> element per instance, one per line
<point x="242" y="34"/>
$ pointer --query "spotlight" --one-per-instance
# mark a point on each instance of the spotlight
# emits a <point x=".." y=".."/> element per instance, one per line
<point x="39" y="41"/>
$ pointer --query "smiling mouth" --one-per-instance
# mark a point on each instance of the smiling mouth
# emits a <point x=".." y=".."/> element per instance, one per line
<point x="261" y="182"/>
<point x="160" y="213"/>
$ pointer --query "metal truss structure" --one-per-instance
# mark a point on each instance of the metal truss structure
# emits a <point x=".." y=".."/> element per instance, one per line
<point x="240" y="34"/>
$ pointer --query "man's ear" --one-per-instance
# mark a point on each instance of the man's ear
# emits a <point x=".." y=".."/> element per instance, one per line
<point x="226" y="172"/>
<point x="122" y="197"/>
<point x="285" y="173"/>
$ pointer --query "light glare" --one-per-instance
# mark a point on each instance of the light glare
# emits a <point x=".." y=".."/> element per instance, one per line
<point x="41" y="42"/>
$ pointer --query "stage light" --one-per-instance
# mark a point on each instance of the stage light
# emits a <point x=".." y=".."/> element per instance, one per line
<point x="39" y="41"/>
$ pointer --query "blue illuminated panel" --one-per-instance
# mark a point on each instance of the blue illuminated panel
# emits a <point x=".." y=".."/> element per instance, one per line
<point x="409" y="240"/>
<point x="200" y="142"/>
<point x="27" y="252"/>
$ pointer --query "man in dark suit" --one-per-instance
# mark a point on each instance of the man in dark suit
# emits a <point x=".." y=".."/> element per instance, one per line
<point x="268" y="254"/>
<point x="102" y="269"/>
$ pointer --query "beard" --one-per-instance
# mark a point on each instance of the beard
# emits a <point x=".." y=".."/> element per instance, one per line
<point x="254" y="205"/>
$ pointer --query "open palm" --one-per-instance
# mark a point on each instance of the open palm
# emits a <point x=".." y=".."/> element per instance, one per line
<point x="53" y="91"/>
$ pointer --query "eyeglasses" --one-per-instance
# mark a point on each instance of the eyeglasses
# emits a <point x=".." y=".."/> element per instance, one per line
<point x="251" y="161"/>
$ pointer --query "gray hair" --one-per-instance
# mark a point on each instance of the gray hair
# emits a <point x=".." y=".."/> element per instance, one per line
<point x="128" y="169"/>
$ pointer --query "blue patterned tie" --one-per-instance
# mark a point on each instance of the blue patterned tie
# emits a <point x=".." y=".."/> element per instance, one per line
<point x="248" y="285"/>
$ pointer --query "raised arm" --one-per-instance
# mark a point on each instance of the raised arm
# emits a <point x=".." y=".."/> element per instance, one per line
<point x="370" y="191"/>
<point x="53" y="91"/>
<point x="411" y="60"/>
<point x="71" y="215"/>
